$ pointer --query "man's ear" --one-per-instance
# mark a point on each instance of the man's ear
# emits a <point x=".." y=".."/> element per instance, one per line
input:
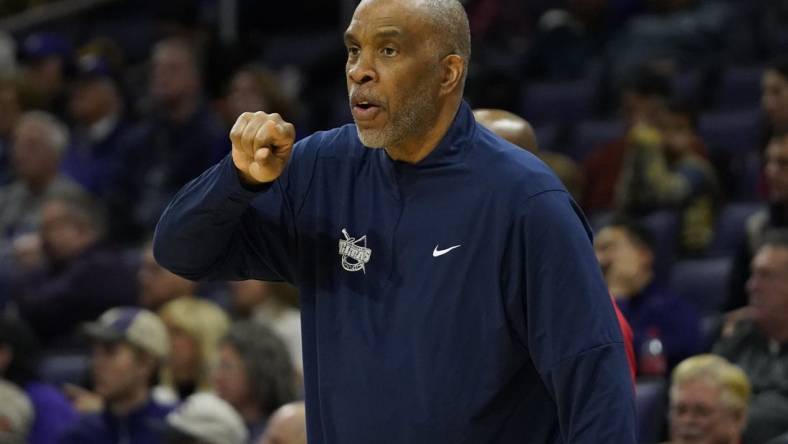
<point x="453" y="73"/>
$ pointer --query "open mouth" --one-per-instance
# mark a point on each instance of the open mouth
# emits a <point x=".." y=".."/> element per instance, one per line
<point x="364" y="110"/>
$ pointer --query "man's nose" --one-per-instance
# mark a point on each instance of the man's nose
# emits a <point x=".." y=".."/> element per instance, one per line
<point x="361" y="70"/>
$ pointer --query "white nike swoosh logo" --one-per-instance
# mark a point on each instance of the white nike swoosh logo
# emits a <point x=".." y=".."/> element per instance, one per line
<point x="436" y="252"/>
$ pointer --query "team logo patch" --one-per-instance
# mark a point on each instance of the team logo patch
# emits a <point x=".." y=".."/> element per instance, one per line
<point x="354" y="252"/>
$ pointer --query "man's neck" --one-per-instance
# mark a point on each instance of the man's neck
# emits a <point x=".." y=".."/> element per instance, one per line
<point x="135" y="399"/>
<point x="415" y="149"/>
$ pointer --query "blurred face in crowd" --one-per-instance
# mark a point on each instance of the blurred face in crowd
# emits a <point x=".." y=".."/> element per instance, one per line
<point x="157" y="284"/>
<point x="768" y="289"/>
<point x="393" y="78"/>
<point x="34" y="158"/>
<point x="776" y="169"/>
<point x="624" y="262"/>
<point x="184" y="359"/>
<point x="47" y="75"/>
<point x="230" y="378"/>
<point x="698" y="415"/>
<point x="92" y="100"/>
<point x="174" y="75"/>
<point x="10" y="109"/>
<point x="245" y="95"/>
<point x="63" y="235"/>
<point x="678" y="133"/>
<point x="119" y="370"/>
<point x="774" y="99"/>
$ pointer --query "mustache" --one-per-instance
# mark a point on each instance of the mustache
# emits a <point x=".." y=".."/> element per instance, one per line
<point x="358" y="96"/>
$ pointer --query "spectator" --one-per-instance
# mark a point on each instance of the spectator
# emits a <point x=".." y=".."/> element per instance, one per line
<point x="48" y="58"/>
<point x="157" y="286"/>
<point x="774" y="98"/>
<point x="205" y="418"/>
<point x="15" y="98"/>
<point x="708" y="401"/>
<point x="195" y="327"/>
<point x="254" y="374"/>
<point x="130" y="344"/>
<point x="179" y="140"/>
<point x="19" y="353"/>
<point x="643" y="98"/>
<point x="287" y="425"/>
<point x="625" y="253"/>
<point x="16" y="414"/>
<point x="772" y="216"/>
<point x="39" y="141"/>
<point x="273" y="305"/>
<point x="80" y="271"/>
<point x="663" y="170"/>
<point x="96" y="108"/>
<point x="755" y="339"/>
<point x="519" y="132"/>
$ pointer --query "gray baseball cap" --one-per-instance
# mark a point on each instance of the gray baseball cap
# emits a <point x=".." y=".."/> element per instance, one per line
<point x="135" y="325"/>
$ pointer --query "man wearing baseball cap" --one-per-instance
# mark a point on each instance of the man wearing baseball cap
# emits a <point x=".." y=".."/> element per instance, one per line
<point x="129" y="345"/>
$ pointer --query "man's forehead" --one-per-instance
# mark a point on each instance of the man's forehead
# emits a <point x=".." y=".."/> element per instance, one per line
<point x="387" y="17"/>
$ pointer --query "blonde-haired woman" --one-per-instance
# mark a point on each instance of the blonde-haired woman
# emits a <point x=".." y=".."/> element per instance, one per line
<point x="709" y="397"/>
<point x="195" y="327"/>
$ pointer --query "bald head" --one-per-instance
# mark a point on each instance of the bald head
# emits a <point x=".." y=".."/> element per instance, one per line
<point x="286" y="426"/>
<point x="510" y="126"/>
<point x="452" y="31"/>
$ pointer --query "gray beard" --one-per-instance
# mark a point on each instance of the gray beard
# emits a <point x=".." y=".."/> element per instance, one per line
<point x="418" y="113"/>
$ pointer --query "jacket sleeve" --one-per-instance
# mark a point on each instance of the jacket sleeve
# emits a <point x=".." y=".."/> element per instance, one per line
<point x="573" y="335"/>
<point x="215" y="228"/>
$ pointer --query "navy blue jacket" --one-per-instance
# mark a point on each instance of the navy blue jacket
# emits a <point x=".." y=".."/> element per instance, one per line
<point x="509" y="338"/>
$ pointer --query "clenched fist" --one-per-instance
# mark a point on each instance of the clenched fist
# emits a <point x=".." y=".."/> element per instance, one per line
<point x="261" y="146"/>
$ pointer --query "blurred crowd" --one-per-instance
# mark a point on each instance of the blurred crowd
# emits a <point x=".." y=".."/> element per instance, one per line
<point x="667" y="120"/>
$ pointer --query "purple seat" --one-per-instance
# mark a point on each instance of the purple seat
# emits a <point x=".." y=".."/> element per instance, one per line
<point x="560" y="102"/>
<point x="703" y="281"/>
<point x="729" y="231"/>
<point x="590" y="134"/>
<point x="688" y="85"/>
<point x="651" y="405"/>
<point x="729" y="132"/>
<point x="739" y="87"/>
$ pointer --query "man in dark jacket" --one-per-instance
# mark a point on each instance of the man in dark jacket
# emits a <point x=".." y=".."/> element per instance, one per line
<point x="80" y="277"/>
<point x="449" y="289"/>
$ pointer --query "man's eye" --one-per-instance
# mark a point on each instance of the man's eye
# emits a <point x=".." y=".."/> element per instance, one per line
<point x="353" y="50"/>
<point x="388" y="51"/>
